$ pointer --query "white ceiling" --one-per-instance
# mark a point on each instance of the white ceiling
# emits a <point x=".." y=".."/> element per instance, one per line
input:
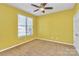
<point x="56" y="7"/>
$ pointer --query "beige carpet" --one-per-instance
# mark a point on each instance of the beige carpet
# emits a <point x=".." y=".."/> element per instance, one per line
<point x="41" y="48"/>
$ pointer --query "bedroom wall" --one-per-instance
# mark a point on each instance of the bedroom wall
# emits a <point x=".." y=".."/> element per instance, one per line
<point x="8" y="26"/>
<point x="57" y="26"/>
<point x="77" y="7"/>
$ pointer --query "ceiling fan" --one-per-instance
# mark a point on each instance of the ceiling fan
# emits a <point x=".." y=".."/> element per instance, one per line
<point x="42" y="7"/>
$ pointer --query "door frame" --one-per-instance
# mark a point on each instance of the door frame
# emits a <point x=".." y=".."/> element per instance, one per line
<point x="74" y="17"/>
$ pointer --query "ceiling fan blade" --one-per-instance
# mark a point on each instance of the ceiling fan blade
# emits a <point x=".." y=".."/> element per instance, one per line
<point x="43" y="4"/>
<point x="43" y="11"/>
<point x="35" y="5"/>
<point x="36" y="10"/>
<point x="48" y="7"/>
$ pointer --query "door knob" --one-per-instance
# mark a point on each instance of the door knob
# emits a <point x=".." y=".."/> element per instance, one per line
<point x="76" y="34"/>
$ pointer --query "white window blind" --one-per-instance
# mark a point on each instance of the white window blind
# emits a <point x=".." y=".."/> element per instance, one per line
<point x="25" y="26"/>
<point x="21" y="26"/>
<point x="29" y="26"/>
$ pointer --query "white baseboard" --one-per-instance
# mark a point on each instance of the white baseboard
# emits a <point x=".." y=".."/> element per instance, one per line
<point x="16" y="45"/>
<point x="55" y="41"/>
<point x="32" y="40"/>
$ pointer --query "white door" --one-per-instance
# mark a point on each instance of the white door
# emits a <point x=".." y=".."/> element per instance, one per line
<point x="76" y="31"/>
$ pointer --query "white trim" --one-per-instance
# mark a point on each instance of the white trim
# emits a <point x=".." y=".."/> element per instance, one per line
<point x="32" y="40"/>
<point x="55" y="41"/>
<point x="74" y="30"/>
<point x="75" y="40"/>
<point x="74" y="25"/>
<point x="16" y="45"/>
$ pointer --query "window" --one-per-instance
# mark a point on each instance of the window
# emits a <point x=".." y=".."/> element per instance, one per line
<point x="24" y="26"/>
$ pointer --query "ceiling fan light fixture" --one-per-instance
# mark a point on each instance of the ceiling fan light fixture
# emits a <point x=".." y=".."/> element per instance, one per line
<point x="42" y="9"/>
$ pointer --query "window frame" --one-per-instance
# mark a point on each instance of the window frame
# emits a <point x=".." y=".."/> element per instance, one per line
<point x="26" y="26"/>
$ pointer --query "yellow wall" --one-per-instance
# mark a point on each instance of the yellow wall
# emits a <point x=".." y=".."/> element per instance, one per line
<point x="8" y="26"/>
<point x="57" y="26"/>
<point x="77" y="7"/>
